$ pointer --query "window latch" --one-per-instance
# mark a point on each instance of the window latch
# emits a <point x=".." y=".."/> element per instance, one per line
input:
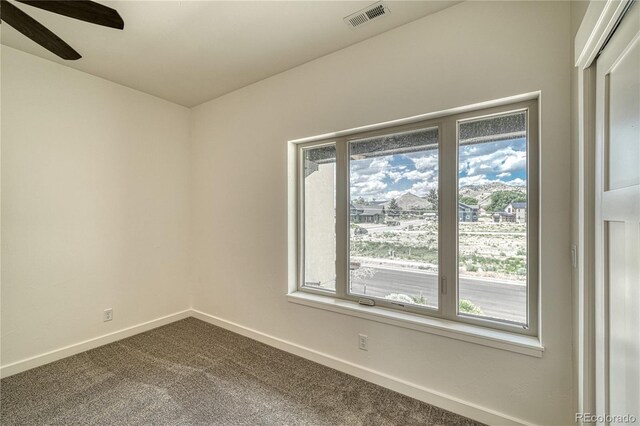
<point x="443" y="284"/>
<point x="367" y="302"/>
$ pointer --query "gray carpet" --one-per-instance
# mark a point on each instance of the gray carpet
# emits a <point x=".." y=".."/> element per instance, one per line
<point x="193" y="373"/>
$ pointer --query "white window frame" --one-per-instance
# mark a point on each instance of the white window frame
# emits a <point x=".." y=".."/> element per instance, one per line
<point x="447" y="216"/>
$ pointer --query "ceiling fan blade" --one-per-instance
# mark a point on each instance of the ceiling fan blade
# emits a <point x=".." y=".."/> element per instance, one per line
<point x="36" y="31"/>
<point x="83" y="10"/>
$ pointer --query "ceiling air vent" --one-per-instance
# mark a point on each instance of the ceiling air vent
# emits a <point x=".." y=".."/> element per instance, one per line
<point x="367" y="14"/>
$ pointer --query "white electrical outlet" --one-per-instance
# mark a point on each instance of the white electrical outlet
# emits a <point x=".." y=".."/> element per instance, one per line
<point x="363" y="342"/>
<point x="107" y="315"/>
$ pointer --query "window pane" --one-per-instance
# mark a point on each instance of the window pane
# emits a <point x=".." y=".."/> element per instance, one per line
<point x="320" y="217"/>
<point x="394" y="217"/>
<point x="492" y="217"/>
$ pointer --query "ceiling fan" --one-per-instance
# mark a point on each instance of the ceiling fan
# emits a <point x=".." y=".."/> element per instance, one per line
<point x="83" y="10"/>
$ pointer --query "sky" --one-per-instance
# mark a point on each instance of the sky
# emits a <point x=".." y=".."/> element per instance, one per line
<point x="383" y="178"/>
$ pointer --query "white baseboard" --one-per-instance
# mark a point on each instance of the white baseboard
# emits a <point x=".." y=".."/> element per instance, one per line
<point x="57" y="354"/>
<point x="404" y="387"/>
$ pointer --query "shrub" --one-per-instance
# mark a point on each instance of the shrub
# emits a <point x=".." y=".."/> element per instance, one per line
<point x="468" y="307"/>
<point x="360" y="231"/>
<point x="419" y="300"/>
<point x="470" y="201"/>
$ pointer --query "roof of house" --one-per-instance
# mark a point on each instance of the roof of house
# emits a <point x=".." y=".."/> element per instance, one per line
<point x="468" y="206"/>
<point x="368" y="210"/>
<point x="519" y="205"/>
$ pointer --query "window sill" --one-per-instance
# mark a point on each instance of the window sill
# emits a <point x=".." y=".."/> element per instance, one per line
<point x="526" y="345"/>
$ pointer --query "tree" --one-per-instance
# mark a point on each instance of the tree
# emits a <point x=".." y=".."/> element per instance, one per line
<point x="393" y="209"/>
<point x="361" y="201"/>
<point x="432" y="197"/>
<point x="470" y="201"/>
<point x="501" y="199"/>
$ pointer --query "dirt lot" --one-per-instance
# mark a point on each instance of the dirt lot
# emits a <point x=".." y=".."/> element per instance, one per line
<point x="486" y="248"/>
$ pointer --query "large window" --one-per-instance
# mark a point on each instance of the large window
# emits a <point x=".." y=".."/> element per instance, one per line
<point x="436" y="218"/>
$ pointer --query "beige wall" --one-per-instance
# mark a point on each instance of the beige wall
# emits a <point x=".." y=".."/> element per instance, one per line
<point x="454" y="58"/>
<point x="113" y="198"/>
<point x="95" y="206"/>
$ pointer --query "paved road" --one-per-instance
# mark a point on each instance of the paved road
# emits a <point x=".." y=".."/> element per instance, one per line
<point x="495" y="298"/>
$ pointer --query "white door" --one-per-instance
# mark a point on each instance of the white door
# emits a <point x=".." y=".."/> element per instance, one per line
<point x="618" y="222"/>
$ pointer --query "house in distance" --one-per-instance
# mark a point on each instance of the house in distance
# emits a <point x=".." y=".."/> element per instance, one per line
<point x="513" y="212"/>
<point x="374" y="213"/>
<point x="467" y="213"/>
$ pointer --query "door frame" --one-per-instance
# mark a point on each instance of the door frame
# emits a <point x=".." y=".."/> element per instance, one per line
<point x="598" y="24"/>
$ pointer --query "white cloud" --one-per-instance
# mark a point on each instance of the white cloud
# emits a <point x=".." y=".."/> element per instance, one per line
<point x="495" y="157"/>
<point x="367" y="188"/>
<point x="422" y="188"/>
<point x="368" y="167"/>
<point x="474" y="180"/>
<point x="381" y="177"/>
<point x="417" y="175"/>
<point x="395" y="176"/>
<point x="490" y="147"/>
<point x="517" y="182"/>
<point x="503" y="161"/>
<point x="370" y="185"/>
<point x="427" y="162"/>
<point x="393" y="194"/>
<point x="483" y="179"/>
<point x="514" y="161"/>
<point x="367" y="177"/>
<point x="379" y="164"/>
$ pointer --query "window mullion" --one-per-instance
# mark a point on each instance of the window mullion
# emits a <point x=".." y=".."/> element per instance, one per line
<point x="448" y="218"/>
<point x="342" y="218"/>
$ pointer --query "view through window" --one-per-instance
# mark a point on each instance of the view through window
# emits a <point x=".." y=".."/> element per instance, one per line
<point x="393" y="216"/>
<point x="492" y="217"/>
<point x="438" y="217"/>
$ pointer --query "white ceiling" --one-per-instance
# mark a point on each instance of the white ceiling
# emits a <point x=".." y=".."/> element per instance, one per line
<point x="189" y="52"/>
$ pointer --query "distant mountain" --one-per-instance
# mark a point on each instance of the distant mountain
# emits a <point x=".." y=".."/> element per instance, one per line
<point x="410" y="201"/>
<point x="482" y="192"/>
